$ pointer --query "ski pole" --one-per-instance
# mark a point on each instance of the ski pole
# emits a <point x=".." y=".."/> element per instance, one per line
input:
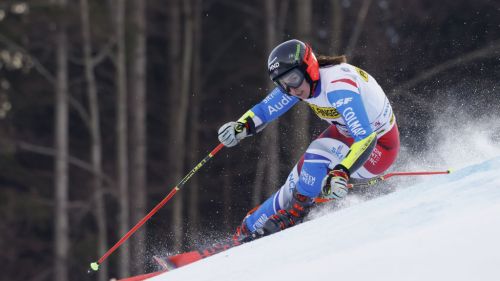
<point x="94" y="266"/>
<point x="381" y="178"/>
<point x="378" y="179"/>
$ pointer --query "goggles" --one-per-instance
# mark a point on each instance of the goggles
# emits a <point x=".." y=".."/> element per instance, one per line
<point x="291" y="79"/>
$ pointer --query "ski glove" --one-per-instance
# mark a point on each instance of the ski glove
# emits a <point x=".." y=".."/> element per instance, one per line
<point x="334" y="185"/>
<point x="231" y="133"/>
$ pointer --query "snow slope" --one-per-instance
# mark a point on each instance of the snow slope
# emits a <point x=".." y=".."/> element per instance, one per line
<point x="444" y="228"/>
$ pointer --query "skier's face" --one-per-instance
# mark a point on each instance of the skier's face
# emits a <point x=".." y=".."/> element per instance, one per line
<point x="294" y="83"/>
<point x="302" y="91"/>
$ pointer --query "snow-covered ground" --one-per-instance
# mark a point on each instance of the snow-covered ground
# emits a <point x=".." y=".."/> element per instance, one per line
<point x="444" y="228"/>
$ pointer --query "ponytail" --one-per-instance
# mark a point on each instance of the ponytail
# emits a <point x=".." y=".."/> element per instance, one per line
<point x="331" y="60"/>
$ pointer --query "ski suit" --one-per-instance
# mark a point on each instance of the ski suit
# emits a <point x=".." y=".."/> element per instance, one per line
<point x="362" y="136"/>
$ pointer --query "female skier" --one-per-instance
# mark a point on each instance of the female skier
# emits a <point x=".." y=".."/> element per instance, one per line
<point x="361" y="142"/>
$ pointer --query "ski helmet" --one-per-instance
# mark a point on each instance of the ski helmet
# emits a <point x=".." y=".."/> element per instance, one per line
<point x="290" y="55"/>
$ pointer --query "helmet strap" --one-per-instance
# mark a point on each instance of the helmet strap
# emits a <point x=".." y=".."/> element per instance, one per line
<point x="312" y="85"/>
<point x="313" y="88"/>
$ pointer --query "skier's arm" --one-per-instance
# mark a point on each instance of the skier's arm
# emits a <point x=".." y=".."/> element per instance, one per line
<point x="271" y="107"/>
<point x="356" y="119"/>
<point x="255" y="119"/>
<point x="349" y="104"/>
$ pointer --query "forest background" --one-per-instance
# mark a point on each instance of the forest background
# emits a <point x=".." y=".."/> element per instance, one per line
<point x="106" y="105"/>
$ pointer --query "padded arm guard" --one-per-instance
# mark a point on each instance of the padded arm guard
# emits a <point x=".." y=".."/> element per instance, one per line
<point x="359" y="153"/>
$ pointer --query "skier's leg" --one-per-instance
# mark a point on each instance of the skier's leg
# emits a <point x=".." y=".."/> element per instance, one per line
<point x="382" y="157"/>
<point x="321" y="155"/>
<point x="278" y="201"/>
<point x="304" y="181"/>
<point x="282" y="198"/>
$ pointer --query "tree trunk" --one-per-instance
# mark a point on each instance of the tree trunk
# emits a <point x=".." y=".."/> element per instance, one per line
<point x="300" y="117"/>
<point x="121" y="135"/>
<point x="96" y="147"/>
<point x="61" y="231"/>
<point x="269" y="179"/>
<point x="138" y="148"/>
<point x="358" y="27"/>
<point x="336" y="25"/>
<point x="178" y="102"/>
<point x="187" y="58"/>
<point x="194" y="155"/>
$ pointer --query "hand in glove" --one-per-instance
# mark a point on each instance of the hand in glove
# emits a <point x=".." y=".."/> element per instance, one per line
<point x="231" y="133"/>
<point x="334" y="185"/>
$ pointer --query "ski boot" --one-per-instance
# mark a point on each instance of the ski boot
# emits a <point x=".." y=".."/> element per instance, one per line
<point x="300" y="207"/>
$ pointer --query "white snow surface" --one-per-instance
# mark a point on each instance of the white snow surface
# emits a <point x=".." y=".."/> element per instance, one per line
<point x="445" y="227"/>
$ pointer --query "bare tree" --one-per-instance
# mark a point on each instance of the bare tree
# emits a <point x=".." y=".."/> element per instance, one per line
<point x="178" y="102"/>
<point x="193" y="205"/>
<point x="301" y="115"/>
<point x="95" y="133"/>
<point x="336" y="26"/>
<point x="138" y="188"/>
<point x="121" y="133"/>
<point x="491" y="50"/>
<point x="353" y="40"/>
<point x="61" y="230"/>
<point x="267" y="171"/>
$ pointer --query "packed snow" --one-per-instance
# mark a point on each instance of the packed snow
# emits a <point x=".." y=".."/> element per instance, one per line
<point x="444" y="227"/>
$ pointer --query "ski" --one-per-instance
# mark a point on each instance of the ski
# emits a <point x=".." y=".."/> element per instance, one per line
<point x="142" y="276"/>
<point x="169" y="263"/>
